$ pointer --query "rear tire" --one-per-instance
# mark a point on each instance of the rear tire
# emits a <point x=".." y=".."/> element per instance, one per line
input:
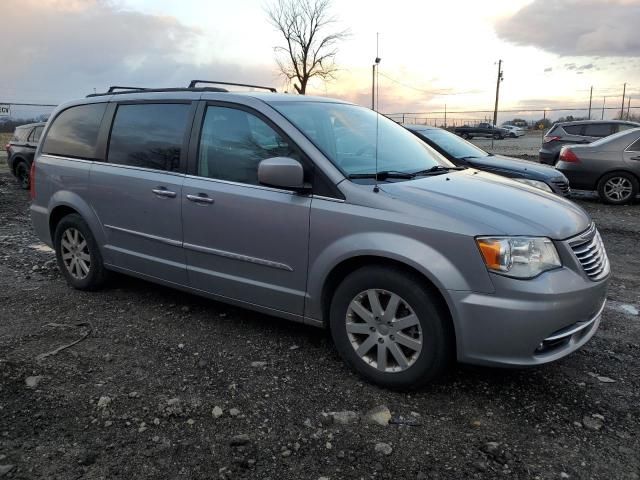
<point x="22" y="174"/>
<point x="79" y="258"/>
<point x="401" y="340"/>
<point x="618" y="188"/>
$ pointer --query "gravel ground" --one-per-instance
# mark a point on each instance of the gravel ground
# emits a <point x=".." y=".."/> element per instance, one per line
<point x="164" y="384"/>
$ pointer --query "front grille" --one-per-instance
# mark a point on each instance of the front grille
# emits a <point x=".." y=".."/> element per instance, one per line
<point x="590" y="252"/>
<point x="563" y="186"/>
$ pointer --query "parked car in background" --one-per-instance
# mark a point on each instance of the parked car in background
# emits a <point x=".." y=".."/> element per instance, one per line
<point x="513" y="131"/>
<point x="578" y="133"/>
<point x="487" y="130"/>
<point x="610" y="165"/>
<point x="321" y="212"/>
<point x="463" y="153"/>
<point x="21" y="150"/>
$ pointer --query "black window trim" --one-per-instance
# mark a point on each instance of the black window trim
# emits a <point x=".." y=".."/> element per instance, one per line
<point x="52" y="121"/>
<point x="316" y="174"/>
<point x="108" y="127"/>
<point x="627" y="149"/>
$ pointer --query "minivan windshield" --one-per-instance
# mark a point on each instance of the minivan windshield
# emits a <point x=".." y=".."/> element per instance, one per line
<point x="351" y="136"/>
<point x="453" y="144"/>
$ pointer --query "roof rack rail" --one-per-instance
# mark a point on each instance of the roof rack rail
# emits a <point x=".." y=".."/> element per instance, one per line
<point x="113" y="88"/>
<point x="211" y="82"/>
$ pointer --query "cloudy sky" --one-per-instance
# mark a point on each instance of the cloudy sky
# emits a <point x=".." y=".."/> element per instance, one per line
<point x="433" y="53"/>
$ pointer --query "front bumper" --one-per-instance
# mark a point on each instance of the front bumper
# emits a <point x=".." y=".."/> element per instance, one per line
<point x="528" y="322"/>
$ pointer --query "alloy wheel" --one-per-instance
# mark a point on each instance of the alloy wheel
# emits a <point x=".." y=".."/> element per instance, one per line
<point x="384" y="330"/>
<point x="618" y="189"/>
<point x="75" y="253"/>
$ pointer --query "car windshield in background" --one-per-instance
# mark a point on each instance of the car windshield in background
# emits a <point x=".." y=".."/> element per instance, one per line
<point x="346" y="134"/>
<point x="452" y="144"/>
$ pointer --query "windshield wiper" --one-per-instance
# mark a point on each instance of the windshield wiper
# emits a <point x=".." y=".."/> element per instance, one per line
<point x="383" y="175"/>
<point x="436" y="169"/>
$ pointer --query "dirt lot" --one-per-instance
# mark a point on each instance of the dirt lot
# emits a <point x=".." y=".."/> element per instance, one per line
<point x="169" y="385"/>
<point x="526" y="146"/>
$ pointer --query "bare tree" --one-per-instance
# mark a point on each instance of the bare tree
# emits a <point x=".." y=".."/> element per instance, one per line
<point x="311" y="40"/>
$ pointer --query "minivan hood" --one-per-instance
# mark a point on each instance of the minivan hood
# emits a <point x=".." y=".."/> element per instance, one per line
<point x="495" y="203"/>
<point x="523" y="168"/>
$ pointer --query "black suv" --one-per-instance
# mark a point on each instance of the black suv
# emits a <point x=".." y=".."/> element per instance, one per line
<point x="21" y="149"/>
<point x="578" y="132"/>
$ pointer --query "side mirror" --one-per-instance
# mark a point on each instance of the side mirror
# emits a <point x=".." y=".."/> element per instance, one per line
<point x="282" y="172"/>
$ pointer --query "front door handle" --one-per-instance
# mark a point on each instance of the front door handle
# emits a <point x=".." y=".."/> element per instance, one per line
<point x="201" y="198"/>
<point x="163" y="192"/>
<point x="635" y="158"/>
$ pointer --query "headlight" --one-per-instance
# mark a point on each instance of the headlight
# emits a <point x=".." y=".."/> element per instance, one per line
<point x="534" y="183"/>
<point x="519" y="257"/>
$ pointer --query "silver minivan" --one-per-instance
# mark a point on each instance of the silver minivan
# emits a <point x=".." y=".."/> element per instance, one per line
<point x="321" y="212"/>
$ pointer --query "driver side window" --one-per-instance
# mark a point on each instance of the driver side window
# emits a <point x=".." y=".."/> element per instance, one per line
<point x="233" y="142"/>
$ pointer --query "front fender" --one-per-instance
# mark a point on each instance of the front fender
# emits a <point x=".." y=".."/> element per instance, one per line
<point x="431" y="263"/>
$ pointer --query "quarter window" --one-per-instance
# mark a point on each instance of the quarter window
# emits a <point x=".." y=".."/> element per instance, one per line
<point x="74" y="132"/>
<point x="233" y="142"/>
<point x="149" y="135"/>
<point x="37" y="133"/>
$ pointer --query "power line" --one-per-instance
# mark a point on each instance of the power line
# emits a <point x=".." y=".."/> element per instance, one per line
<point x="428" y="92"/>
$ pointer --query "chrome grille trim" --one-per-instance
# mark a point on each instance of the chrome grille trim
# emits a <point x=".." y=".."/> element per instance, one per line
<point x="591" y="254"/>
<point x="576" y="327"/>
<point x="563" y="186"/>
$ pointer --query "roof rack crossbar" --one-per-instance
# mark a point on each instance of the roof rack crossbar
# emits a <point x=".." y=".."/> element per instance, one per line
<point x="113" y="88"/>
<point x="211" y="82"/>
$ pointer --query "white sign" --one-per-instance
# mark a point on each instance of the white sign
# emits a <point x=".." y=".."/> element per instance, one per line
<point x="5" y="110"/>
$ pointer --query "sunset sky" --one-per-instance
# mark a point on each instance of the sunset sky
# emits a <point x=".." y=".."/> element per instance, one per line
<point x="433" y="53"/>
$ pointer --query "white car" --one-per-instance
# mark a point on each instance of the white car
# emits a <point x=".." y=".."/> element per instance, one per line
<point x="514" y="131"/>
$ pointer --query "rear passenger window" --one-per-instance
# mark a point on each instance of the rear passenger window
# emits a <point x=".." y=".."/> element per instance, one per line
<point x="149" y="135"/>
<point x="233" y="142"/>
<point x="74" y="132"/>
<point x="597" y="130"/>
<point x="573" y="129"/>
<point x="37" y="133"/>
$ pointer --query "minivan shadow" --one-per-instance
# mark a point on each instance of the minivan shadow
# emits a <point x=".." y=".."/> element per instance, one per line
<point x="462" y="377"/>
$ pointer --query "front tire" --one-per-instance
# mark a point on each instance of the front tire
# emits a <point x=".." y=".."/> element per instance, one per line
<point x="79" y="258"/>
<point x="389" y="328"/>
<point x="22" y="174"/>
<point x="618" y="188"/>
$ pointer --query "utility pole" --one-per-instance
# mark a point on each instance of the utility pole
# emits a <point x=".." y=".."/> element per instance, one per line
<point x="624" y="90"/>
<point x="445" y="115"/>
<point x="590" y="98"/>
<point x="628" y="106"/>
<point x="500" y="78"/>
<point x="604" y="100"/>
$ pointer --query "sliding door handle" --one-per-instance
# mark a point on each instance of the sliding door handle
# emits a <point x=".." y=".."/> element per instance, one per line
<point x="202" y="198"/>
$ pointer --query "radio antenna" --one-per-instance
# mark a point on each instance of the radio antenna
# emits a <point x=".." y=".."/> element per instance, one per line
<point x="376" y="68"/>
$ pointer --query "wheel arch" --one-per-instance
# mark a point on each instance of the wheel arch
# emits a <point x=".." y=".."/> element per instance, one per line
<point x="617" y="170"/>
<point x="66" y="202"/>
<point x="351" y="264"/>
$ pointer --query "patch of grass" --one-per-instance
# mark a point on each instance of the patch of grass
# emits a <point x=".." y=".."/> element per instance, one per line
<point x="4" y="139"/>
